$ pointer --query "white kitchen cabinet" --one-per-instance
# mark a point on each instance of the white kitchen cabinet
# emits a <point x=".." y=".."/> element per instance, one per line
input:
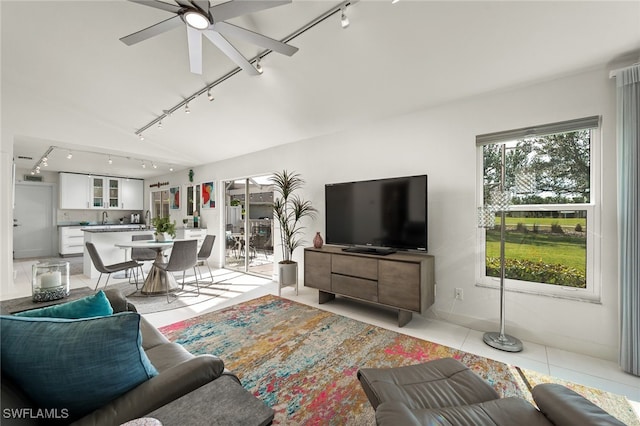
<point x="104" y="192"/>
<point x="71" y="240"/>
<point x="192" y="234"/>
<point x="132" y="194"/>
<point x="74" y="192"/>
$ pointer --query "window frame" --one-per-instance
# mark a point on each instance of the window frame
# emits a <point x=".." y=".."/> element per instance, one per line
<point x="593" y="290"/>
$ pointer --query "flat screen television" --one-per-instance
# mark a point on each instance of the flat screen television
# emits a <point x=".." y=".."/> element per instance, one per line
<point x="378" y="216"/>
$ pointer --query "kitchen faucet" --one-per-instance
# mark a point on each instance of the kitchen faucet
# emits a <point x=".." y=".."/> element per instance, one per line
<point x="104" y="217"/>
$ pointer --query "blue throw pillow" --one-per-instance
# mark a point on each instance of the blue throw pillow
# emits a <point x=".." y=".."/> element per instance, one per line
<point x="75" y="365"/>
<point x="96" y="305"/>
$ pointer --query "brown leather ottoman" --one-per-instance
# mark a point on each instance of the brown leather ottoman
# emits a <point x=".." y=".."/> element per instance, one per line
<point x="435" y="384"/>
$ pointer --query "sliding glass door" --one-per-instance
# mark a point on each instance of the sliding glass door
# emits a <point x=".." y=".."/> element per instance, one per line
<point x="249" y="225"/>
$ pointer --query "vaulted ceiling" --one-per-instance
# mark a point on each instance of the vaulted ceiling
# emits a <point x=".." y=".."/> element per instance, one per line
<point x="68" y="82"/>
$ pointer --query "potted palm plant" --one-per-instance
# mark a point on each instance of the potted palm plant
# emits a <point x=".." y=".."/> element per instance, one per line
<point x="289" y="209"/>
<point x="164" y="227"/>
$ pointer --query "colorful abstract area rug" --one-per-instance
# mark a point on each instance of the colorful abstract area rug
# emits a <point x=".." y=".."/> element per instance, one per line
<point x="302" y="361"/>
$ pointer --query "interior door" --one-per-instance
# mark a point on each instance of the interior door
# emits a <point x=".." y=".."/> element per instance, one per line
<point x="34" y="230"/>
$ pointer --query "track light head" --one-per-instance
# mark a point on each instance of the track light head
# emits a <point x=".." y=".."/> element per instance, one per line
<point x="144" y="166"/>
<point x="154" y="165"/>
<point x="141" y="137"/>
<point x="344" y="20"/>
<point x="186" y="108"/>
<point x="160" y="124"/>
<point x="69" y="156"/>
<point x="210" y="95"/>
<point x="110" y="161"/>
<point x="258" y="66"/>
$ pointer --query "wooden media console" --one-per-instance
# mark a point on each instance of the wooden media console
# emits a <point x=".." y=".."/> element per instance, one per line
<point x="403" y="281"/>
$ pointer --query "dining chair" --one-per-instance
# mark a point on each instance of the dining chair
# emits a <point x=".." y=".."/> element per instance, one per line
<point x="109" y="269"/>
<point x="184" y="255"/>
<point x="205" y="252"/>
<point x="142" y="254"/>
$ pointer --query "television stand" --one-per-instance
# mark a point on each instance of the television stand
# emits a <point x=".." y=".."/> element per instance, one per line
<point x="379" y="251"/>
<point x="400" y="281"/>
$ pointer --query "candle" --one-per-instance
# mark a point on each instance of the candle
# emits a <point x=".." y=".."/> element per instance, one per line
<point x="50" y="279"/>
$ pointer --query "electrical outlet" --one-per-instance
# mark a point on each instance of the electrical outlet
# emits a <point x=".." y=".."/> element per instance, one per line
<point x="458" y="294"/>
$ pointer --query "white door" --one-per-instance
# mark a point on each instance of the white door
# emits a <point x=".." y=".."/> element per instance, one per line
<point x="34" y="232"/>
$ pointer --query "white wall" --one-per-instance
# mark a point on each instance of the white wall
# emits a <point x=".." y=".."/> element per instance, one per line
<point x="441" y="143"/>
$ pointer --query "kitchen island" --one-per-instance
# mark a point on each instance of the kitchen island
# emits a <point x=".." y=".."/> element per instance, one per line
<point x="105" y="238"/>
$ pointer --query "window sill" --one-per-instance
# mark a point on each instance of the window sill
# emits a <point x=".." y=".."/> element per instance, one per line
<point x="571" y="294"/>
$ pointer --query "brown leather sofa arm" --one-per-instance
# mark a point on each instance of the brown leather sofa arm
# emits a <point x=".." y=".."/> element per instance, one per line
<point x="158" y="391"/>
<point x="564" y="407"/>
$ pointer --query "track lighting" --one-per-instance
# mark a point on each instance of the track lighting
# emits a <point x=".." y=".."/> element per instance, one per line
<point x="344" y="20"/>
<point x="141" y="137"/>
<point x="186" y="108"/>
<point x="154" y="165"/>
<point x="160" y="124"/>
<point x="110" y="161"/>
<point x="69" y="156"/>
<point x="144" y="166"/>
<point x="170" y="169"/>
<point x="196" y="19"/>
<point x="33" y="172"/>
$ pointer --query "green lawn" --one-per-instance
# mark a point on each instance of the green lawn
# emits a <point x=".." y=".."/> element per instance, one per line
<point x="561" y="249"/>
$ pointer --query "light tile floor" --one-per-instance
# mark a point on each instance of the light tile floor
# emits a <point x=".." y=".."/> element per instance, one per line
<point x="566" y="365"/>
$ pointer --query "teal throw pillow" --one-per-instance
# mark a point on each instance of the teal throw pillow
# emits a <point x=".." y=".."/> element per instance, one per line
<point x="96" y="305"/>
<point x="75" y="365"/>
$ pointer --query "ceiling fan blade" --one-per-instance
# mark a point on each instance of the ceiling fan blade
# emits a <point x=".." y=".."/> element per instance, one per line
<point x="158" y="5"/>
<point x="243" y="34"/>
<point x="194" y="40"/>
<point x="152" y="31"/>
<point x="203" y="5"/>
<point x="184" y="3"/>
<point x="228" y="49"/>
<point x="231" y="9"/>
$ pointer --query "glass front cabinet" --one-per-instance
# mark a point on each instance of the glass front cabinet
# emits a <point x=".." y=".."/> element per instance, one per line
<point x="104" y="192"/>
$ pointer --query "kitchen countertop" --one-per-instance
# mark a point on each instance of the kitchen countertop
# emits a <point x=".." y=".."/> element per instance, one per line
<point x="112" y="226"/>
<point x="118" y="228"/>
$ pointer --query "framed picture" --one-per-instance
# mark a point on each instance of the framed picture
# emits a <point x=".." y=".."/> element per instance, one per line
<point x="174" y="197"/>
<point x="208" y="194"/>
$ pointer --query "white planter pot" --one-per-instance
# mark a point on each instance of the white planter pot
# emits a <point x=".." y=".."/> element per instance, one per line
<point x="163" y="237"/>
<point x="287" y="275"/>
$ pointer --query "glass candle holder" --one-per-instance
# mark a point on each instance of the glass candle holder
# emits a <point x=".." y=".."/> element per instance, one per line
<point x="50" y="281"/>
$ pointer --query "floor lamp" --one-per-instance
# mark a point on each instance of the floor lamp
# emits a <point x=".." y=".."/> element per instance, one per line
<point x="500" y="200"/>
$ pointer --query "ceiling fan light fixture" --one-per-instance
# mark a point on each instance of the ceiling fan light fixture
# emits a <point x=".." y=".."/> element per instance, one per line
<point x="196" y="20"/>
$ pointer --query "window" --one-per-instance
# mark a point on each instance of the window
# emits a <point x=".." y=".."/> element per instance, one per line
<point x="551" y="175"/>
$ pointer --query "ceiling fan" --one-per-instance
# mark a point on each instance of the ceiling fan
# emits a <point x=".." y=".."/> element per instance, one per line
<point x="202" y="19"/>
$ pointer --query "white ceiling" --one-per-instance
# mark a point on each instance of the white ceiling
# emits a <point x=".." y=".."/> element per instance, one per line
<point x="67" y="80"/>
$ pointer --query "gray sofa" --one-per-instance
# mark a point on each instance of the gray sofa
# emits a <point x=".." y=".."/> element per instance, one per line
<point x="446" y="392"/>
<point x="180" y="373"/>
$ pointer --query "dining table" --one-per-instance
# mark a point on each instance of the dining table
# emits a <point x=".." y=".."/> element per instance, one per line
<point x="157" y="281"/>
